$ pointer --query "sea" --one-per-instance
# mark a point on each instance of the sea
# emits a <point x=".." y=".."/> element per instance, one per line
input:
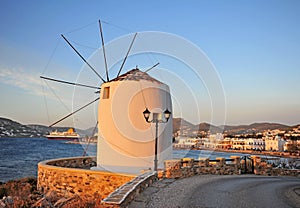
<point x="19" y="156"/>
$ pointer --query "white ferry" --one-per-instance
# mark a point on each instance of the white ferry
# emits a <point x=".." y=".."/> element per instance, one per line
<point x="66" y="135"/>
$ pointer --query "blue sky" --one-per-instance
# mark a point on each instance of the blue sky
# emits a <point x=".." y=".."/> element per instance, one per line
<point x="254" y="46"/>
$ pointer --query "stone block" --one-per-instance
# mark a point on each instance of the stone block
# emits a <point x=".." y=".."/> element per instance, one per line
<point x="203" y="162"/>
<point x="187" y="162"/>
<point x="220" y="161"/>
<point x="172" y="164"/>
<point x="160" y="174"/>
<point x="236" y="159"/>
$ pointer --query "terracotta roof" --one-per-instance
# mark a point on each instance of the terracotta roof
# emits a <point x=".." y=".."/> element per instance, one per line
<point x="135" y="75"/>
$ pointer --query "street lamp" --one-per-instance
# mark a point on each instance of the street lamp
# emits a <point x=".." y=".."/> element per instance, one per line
<point x="156" y="118"/>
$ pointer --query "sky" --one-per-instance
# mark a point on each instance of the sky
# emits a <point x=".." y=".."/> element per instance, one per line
<point x="254" y="47"/>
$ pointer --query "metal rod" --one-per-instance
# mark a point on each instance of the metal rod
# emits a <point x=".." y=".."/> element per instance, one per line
<point x="85" y="61"/>
<point x="151" y="67"/>
<point x="87" y="146"/>
<point x="127" y="54"/>
<point x="103" y="48"/>
<point x="156" y="140"/>
<point x="74" y="112"/>
<point x="71" y="83"/>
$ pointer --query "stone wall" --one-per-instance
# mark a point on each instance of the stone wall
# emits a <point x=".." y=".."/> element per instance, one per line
<point x="74" y="162"/>
<point x="266" y="169"/>
<point x="187" y="167"/>
<point x="70" y="176"/>
<point x="126" y="193"/>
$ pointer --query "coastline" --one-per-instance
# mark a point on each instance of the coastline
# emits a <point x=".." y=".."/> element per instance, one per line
<point x="250" y="152"/>
<point x="264" y="153"/>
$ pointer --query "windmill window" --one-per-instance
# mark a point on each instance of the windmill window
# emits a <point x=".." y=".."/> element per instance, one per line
<point x="106" y="93"/>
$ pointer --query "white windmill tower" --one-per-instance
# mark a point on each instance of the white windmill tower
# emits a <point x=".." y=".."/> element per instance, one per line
<point x="127" y="143"/>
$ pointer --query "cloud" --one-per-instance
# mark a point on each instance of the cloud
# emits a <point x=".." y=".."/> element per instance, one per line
<point x="25" y="80"/>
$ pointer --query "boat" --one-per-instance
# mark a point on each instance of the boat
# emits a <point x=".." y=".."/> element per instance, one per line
<point x="66" y="135"/>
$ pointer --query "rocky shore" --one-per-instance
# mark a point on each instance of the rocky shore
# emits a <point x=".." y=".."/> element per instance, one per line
<point x="23" y="193"/>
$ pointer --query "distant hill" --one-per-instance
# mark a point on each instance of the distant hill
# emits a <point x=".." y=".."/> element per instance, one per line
<point x="10" y="128"/>
<point x="190" y="129"/>
<point x="255" y="128"/>
<point x="209" y="127"/>
<point x="179" y="124"/>
<point x="270" y="126"/>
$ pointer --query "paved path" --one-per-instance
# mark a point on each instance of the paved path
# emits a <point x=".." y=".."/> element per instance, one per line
<point x="222" y="191"/>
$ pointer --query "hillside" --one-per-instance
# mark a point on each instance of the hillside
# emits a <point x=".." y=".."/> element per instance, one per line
<point x="255" y="128"/>
<point x="191" y="129"/>
<point x="10" y="128"/>
<point x="179" y="124"/>
<point x="183" y="125"/>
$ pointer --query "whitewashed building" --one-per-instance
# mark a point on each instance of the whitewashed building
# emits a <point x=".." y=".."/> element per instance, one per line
<point x="274" y="143"/>
<point x="254" y="144"/>
<point x="126" y="142"/>
<point x="187" y="142"/>
<point x="212" y="141"/>
<point x="238" y="144"/>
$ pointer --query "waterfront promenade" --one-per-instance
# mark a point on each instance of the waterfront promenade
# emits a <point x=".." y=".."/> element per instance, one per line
<point x="264" y="153"/>
<point x="295" y="155"/>
<point x="222" y="191"/>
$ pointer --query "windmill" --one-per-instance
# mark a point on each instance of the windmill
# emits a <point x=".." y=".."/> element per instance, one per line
<point x="125" y="140"/>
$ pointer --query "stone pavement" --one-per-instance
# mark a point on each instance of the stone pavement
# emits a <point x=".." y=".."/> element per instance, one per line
<point x="144" y="198"/>
<point x="245" y="191"/>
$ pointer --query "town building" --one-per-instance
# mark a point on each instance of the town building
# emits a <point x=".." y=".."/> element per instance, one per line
<point x="225" y="144"/>
<point x="213" y="140"/>
<point x="186" y="142"/>
<point x="291" y="145"/>
<point x="254" y="144"/>
<point x="274" y="143"/>
<point x="238" y="143"/>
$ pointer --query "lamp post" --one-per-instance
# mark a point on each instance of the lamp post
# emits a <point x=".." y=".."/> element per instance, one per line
<point x="156" y="118"/>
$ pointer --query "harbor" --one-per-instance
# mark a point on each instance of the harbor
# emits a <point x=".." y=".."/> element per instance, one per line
<point x="23" y="163"/>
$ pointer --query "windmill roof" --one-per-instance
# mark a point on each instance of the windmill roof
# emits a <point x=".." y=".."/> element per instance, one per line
<point x="135" y="75"/>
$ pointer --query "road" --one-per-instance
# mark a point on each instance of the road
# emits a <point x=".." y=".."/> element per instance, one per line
<point x="222" y="191"/>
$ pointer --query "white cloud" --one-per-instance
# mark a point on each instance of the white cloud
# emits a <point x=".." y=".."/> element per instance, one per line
<point x="30" y="82"/>
<point x="23" y="80"/>
<point x="33" y="84"/>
